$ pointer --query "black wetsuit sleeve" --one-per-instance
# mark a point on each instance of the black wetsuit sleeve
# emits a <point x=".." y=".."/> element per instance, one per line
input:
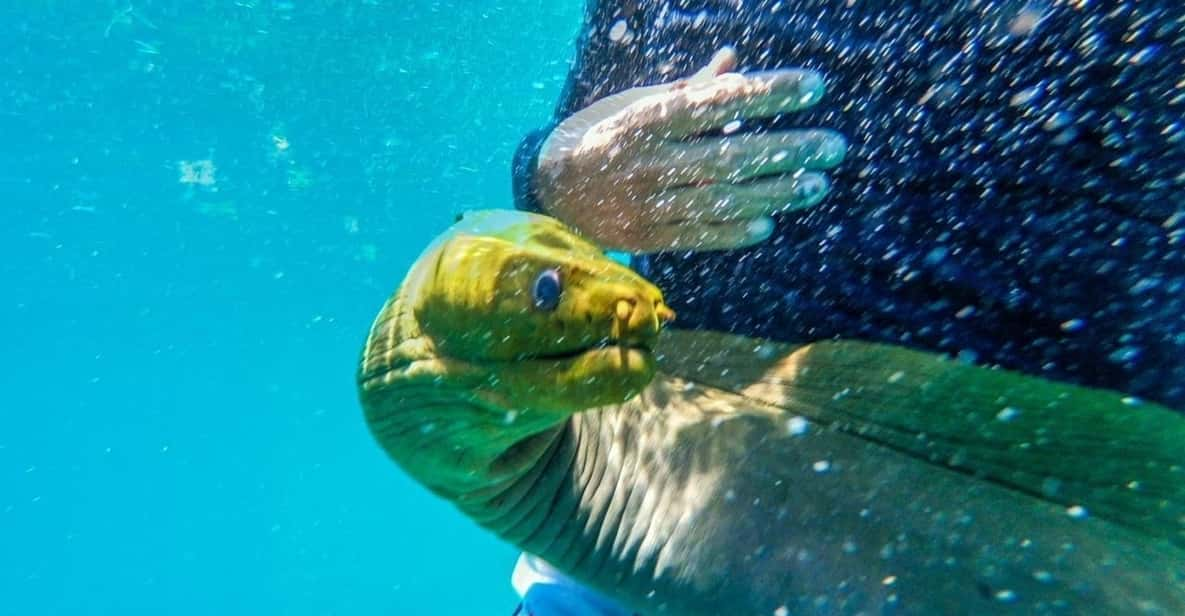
<point x="522" y="171"/>
<point x="608" y="60"/>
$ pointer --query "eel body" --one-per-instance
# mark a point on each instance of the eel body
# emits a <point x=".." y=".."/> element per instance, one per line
<point x="685" y="472"/>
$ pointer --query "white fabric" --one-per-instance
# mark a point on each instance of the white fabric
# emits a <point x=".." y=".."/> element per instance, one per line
<point x="531" y="570"/>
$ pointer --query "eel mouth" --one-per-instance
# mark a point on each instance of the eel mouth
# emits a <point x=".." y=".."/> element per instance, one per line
<point x="634" y="332"/>
<point x="608" y="344"/>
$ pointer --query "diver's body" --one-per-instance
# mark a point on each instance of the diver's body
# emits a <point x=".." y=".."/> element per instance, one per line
<point x="1013" y="192"/>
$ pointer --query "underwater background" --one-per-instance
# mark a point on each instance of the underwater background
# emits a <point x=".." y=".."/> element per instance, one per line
<point x="205" y="204"/>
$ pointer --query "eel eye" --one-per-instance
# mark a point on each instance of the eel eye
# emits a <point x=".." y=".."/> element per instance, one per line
<point x="547" y="290"/>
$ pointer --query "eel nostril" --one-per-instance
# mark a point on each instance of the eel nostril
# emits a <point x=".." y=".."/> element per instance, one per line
<point x="664" y="313"/>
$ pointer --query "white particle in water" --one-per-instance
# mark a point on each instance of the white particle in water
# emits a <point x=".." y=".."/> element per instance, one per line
<point x="1025" y="22"/>
<point x="822" y="466"/>
<point x="1125" y="354"/>
<point x="197" y="172"/>
<point x="427" y="428"/>
<point x="936" y="255"/>
<point x="796" y="426"/>
<point x="889" y="581"/>
<point x="1076" y="511"/>
<point x="1025" y="96"/>
<point x="1144" y="285"/>
<point x="618" y="31"/>
<point x="1043" y="576"/>
<point x="1073" y="325"/>
<point x="782" y="611"/>
<point x="1143" y="55"/>
<point x="731" y="127"/>
<point x="1007" y="414"/>
<point x="896" y="376"/>
<point x="1066" y="136"/>
<point x="1005" y="596"/>
<point x="1058" y="120"/>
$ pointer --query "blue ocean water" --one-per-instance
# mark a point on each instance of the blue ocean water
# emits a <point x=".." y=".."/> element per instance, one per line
<point x="205" y="204"/>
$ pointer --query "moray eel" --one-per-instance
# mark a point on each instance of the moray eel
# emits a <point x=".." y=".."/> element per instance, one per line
<point x="529" y="380"/>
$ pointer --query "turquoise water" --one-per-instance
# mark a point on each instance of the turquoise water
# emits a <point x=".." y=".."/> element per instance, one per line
<point x="205" y="204"/>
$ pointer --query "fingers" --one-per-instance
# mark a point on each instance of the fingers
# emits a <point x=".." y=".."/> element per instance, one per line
<point x="743" y="157"/>
<point x="617" y="114"/>
<point x="723" y="201"/>
<point x="723" y="235"/>
<point x="698" y="107"/>
<point x="726" y="216"/>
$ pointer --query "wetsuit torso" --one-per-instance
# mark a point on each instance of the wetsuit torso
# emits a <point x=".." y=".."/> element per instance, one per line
<point x="1014" y="192"/>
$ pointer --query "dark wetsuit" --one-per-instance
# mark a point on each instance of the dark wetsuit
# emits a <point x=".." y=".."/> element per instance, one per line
<point x="1014" y="192"/>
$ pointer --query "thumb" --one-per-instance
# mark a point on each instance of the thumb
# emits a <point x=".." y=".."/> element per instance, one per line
<point x="723" y="61"/>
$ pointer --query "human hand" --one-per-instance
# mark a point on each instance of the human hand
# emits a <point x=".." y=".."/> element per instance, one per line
<point x="636" y="172"/>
